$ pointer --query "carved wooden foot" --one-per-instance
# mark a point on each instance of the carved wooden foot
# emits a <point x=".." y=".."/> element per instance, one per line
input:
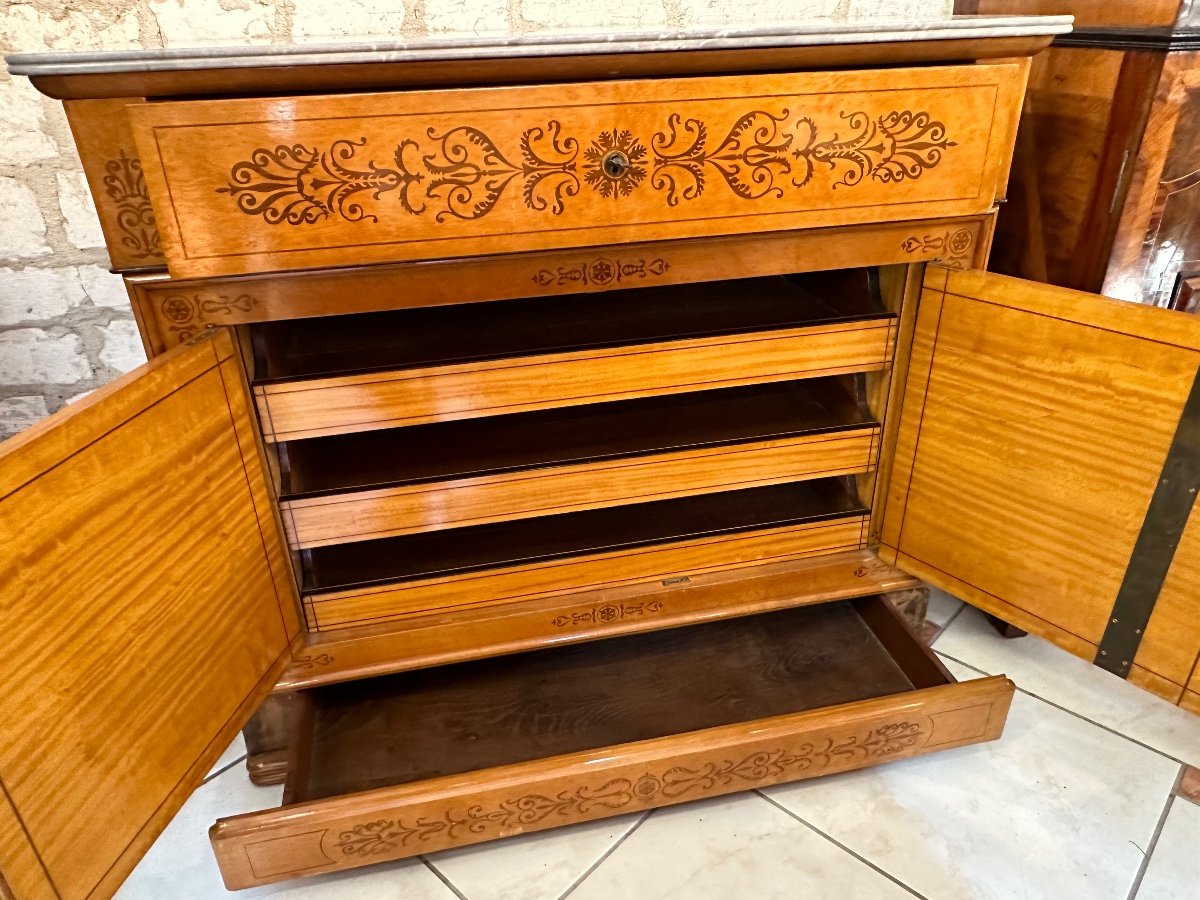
<point x="267" y="735"/>
<point x="267" y="768"/>
<point x="1004" y="629"/>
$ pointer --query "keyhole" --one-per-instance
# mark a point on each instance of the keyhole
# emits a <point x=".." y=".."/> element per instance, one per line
<point x="615" y="164"/>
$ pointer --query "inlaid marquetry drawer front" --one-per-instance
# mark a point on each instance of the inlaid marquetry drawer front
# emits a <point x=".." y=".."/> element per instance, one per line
<point x="821" y="689"/>
<point x="324" y="406"/>
<point x="299" y="182"/>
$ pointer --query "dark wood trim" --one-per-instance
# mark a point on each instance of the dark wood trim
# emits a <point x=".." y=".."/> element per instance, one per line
<point x="919" y="662"/>
<point x="298" y="752"/>
<point x="267" y="768"/>
<point x="1132" y="104"/>
<point x="1004" y="629"/>
<point x="1154" y="550"/>
<point x="1115" y="38"/>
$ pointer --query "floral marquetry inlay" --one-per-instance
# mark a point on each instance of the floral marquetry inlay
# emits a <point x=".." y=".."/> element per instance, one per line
<point x="463" y="173"/>
<point x="125" y="186"/>
<point x="953" y="248"/>
<point x="187" y="314"/>
<point x="607" y="613"/>
<point x="311" y="661"/>
<point x="615" y="164"/>
<point x="666" y="783"/>
<point x="602" y="271"/>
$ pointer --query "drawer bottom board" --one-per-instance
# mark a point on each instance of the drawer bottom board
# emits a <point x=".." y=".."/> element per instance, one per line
<point x="467" y="753"/>
<point x="492" y="712"/>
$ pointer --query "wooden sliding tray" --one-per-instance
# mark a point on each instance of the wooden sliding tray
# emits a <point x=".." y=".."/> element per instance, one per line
<point x="409" y="367"/>
<point x="396" y="481"/>
<point x="422" y="761"/>
<point x="369" y="582"/>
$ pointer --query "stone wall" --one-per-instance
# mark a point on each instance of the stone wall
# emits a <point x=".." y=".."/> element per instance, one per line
<point x="65" y="323"/>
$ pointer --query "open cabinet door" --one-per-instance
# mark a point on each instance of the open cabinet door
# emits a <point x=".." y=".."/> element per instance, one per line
<point x="1047" y="465"/>
<point x="147" y="608"/>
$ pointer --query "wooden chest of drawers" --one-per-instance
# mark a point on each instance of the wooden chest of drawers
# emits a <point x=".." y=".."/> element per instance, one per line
<point x="580" y="498"/>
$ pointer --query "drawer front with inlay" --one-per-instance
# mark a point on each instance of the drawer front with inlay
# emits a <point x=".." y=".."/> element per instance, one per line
<point x="270" y="184"/>
<point x="736" y="705"/>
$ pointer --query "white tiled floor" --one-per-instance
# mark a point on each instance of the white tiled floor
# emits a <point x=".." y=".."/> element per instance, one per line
<point x="1065" y="806"/>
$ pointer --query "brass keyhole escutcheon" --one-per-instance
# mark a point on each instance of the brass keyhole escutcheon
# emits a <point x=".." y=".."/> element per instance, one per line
<point x="615" y="163"/>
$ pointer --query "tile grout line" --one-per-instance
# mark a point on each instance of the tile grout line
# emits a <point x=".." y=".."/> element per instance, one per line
<point x="862" y="859"/>
<point x="437" y="873"/>
<point x="607" y="853"/>
<point x="1072" y="712"/>
<point x="950" y="621"/>
<point x="1149" y="851"/>
<point x="221" y="771"/>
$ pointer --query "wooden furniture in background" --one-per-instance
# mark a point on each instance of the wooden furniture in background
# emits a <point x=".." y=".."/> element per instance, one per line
<point x="1105" y="191"/>
<point x="679" y="388"/>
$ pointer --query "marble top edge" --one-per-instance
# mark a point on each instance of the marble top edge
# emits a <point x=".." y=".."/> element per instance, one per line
<point x="539" y="44"/>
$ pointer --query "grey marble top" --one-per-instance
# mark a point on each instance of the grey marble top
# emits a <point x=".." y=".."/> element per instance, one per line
<point x="546" y="44"/>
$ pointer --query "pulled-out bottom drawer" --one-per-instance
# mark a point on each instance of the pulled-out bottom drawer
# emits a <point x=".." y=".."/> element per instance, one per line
<point x="436" y="758"/>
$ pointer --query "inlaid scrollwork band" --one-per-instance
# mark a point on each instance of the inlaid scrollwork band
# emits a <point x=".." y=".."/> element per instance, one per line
<point x="384" y="836"/>
<point x="601" y="271"/>
<point x="463" y="173"/>
<point x="607" y="613"/>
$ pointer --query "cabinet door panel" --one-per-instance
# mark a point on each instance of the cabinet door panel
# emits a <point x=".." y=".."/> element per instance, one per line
<point x="1047" y="462"/>
<point x="147" y="608"/>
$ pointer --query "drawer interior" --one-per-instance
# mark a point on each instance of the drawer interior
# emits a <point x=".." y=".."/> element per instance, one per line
<point x="567" y="436"/>
<point x="408" y="727"/>
<point x="424" y="337"/>
<point x="461" y="550"/>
